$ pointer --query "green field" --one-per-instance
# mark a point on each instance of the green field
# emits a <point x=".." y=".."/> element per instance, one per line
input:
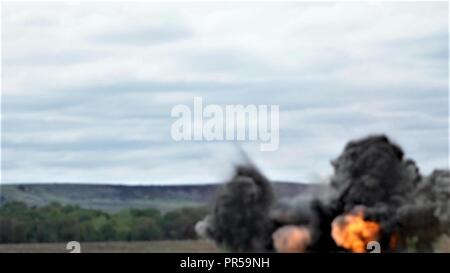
<point x="181" y="246"/>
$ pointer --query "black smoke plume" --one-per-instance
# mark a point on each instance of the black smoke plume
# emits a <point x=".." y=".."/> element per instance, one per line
<point x="240" y="216"/>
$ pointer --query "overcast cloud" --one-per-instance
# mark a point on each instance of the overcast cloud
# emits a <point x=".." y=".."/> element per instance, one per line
<point x="88" y="88"/>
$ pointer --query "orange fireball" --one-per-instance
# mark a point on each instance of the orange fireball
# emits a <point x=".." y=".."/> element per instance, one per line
<point x="291" y="239"/>
<point x="352" y="232"/>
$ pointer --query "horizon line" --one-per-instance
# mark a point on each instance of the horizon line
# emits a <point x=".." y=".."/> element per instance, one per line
<point x="138" y="184"/>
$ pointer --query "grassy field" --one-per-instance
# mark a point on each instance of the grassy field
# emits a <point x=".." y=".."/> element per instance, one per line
<point x="185" y="246"/>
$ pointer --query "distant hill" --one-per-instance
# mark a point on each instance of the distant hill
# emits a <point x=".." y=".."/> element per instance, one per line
<point x="112" y="198"/>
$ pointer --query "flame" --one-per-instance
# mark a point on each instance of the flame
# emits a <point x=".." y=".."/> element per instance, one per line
<point x="393" y="241"/>
<point x="352" y="232"/>
<point x="291" y="239"/>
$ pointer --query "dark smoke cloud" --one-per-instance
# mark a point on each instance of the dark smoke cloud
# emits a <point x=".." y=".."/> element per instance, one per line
<point x="240" y="217"/>
<point x="371" y="171"/>
<point x="427" y="215"/>
<point x="435" y="191"/>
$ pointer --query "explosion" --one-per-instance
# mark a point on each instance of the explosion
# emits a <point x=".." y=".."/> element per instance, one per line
<point x="352" y="232"/>
<point x="374" y="194"/>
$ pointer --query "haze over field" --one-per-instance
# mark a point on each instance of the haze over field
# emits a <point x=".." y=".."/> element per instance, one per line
<point x="88" y="88"/>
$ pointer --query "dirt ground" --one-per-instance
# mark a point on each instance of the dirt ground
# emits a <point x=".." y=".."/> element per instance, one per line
<point x="185" y="246"/>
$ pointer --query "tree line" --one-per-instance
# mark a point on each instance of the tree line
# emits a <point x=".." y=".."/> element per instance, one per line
<point x="55" y="222"/>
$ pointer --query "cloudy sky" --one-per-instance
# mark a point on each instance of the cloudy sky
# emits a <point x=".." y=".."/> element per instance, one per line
<point x="87" y="88"/>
